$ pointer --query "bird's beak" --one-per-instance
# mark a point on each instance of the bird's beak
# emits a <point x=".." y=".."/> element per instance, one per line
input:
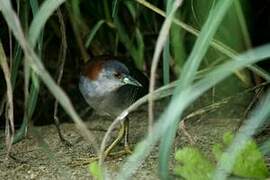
<point x="130" y="80"/>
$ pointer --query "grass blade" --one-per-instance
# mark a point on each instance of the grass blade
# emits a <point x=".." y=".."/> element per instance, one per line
<point x="93" y="33"/>
<point x="242" y="23"/>
<point x="115" y="8"/>
<point x="10" y="129"/>
<point x="189" y="72"/>
<point x="178" y="46"/>
<point x="137" y="53"/>
<point x="162" y="38"/>
<point x="38" y="23"/>
<point x="166" y="63"/>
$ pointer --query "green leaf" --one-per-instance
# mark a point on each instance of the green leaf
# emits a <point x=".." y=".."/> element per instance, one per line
<point x="192" y="164"/>
<point x="95" y="170"/>
<point x="228" y="138"/>
<point x="249" y="162"/>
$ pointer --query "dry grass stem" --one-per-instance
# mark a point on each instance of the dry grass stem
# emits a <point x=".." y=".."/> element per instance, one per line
<point x="163" y="35"/>
<point x="9" y="130"/>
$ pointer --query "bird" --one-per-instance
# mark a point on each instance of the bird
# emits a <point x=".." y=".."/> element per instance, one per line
<point x="109" y="86"/>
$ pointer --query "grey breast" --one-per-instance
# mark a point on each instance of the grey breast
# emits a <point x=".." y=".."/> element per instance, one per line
<point x="90" y="95"/>
<point x="111" y="103"/>
<point x="122" y="98"/>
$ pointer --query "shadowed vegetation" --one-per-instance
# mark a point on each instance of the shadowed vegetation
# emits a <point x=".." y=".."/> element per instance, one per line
<point x="206" y="58"/>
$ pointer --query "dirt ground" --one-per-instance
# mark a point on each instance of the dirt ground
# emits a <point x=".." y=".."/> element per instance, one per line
<point x="42" y="155"/>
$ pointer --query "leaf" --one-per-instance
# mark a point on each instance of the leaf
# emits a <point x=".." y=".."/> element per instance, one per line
<point x="249" y="162"/>
<point x="95" y="170"/>
<point x="192" y="164"/>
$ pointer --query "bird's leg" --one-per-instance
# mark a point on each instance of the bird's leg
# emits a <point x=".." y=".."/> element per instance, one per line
<point x="126" y="133"/>
<point x="123" y="134"/>
<point x="116" y="141"/>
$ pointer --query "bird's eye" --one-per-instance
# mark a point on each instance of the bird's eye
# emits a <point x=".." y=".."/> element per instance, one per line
<point x="117" y="75"/>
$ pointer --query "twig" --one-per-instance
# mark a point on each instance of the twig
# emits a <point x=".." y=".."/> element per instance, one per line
<point x="61" y="59"/>
<point x="255" y="99"/>
<point x="208" y="108"/>
<point x="223" y="101"/>
<point x="198" y="112"/>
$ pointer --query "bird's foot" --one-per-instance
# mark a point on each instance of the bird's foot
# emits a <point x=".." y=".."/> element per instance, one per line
<point x="92" y="158"/>
<point x="83" y="161"/>
<point x="123" y="152"/>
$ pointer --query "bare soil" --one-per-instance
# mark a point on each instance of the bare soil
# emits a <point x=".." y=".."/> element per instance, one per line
<point x="41" y="155"/>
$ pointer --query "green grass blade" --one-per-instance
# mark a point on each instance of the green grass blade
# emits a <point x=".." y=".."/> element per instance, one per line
<point x="115" y="8"/>
<point x="31" y="98"/>
<point x="17" y="57"/>
<point x="202" y="44"/>
<point x="166" y="50"/>
<point x="178" y="46"/>
<point x="136" y="52"/>
<point x="34" y="91"/>
<point x="38" y="23"/>
<point x="15" y="64"/>
<point x="24" y="16"/>
<point x="265" y="147"/>
<point x="107" y="11"/>
<point x="75" y="5"/>
<point x="139" y="49"/>
<point x="34" y="7"/>
<point x="93" y="32"/>
<point x="189" y="72"/>
<point x="242" y="23"/>
<point x="132" y="9"/>
<point x="166" y="63"/>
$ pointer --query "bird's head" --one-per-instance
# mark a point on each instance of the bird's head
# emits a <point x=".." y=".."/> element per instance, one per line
<point x="107" y="75"/>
